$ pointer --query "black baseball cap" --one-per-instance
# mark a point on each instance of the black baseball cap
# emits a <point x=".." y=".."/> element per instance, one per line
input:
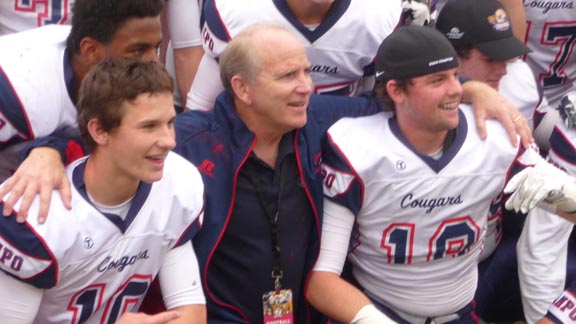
<point x="482" y="23"/>
<point x="412" y="51"/>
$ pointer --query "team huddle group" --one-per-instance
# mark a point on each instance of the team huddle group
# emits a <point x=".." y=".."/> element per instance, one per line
<point x="287" y="161"/>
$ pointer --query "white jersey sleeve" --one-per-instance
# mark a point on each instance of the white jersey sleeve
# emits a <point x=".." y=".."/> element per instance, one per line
<point x="519" y="87"/>
<point x="19" y="302"/>
<point x="206" y="85"/>
<point x="542" y="251"/>
<point x="180" y="278"/>
<point x="337" y="227"/>
<point x="564" y="307"/>
<point x="183" y="23"/>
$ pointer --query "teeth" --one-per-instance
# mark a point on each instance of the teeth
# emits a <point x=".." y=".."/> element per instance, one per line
<point x="450" y="106"/>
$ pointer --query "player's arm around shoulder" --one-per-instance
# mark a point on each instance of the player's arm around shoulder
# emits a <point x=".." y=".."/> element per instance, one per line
<point x="489" y="104"/>
<point x="32" y="251"/>
<point x="325" y="110"/>
<point x="496" y="132"/>
<point x="28" y="264"/>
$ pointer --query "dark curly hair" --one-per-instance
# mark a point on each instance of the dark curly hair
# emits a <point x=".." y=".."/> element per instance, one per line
<point x="100" y="19"/>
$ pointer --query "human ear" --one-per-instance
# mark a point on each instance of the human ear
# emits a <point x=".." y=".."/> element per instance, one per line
<point x="97" y="132"/>
<point x="91" y="50"/>
<point x="241" y="88"/>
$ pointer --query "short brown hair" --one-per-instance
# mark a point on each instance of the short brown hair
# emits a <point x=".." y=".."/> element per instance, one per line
<point x="111" y="83"/>
<point x="380" y="92"/>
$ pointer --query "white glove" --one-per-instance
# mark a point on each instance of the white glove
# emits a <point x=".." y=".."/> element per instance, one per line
<point x="416" y="12"/>
<point x="370" y="315"/>
<point x="541" y="183"/>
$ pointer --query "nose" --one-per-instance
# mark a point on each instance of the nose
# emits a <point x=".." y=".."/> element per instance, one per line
<point x="305" y="84"/>
<point x="167" y="139"/>
<point x="455" y="88"/>
<point x="152" y="56"/>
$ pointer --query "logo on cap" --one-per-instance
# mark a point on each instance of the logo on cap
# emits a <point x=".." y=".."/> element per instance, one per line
<point x="499" y="20"/>
<point x="454" y="33"/>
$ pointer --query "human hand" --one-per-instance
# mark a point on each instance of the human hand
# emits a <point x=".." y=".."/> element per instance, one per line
<point x="41" y="172"/>
<point x="489" y="104"/>
<point x="141" y="318"/>
<point x="416" y="12"/>
<point x="543" y="182"/>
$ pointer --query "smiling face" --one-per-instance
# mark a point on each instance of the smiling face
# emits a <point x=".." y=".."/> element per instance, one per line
<point x="137" y="38"/>
<point x="430" y="103"/>
<point x="136" y="150"/>
<point x="480" y="67"/>
<point x="278" y="95"/>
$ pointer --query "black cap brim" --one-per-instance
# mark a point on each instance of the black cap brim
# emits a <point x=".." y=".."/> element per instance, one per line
<point x="503" y="49"/>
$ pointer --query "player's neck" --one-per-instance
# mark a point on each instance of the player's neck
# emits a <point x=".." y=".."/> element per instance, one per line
<point x="105" y="185"/>
<point x="308" y="13"/>
<point x="268" y="135"/>
<point x="424" y="141"/>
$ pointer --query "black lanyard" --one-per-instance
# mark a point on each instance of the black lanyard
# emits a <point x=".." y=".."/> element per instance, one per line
<point x="277" y="272"/>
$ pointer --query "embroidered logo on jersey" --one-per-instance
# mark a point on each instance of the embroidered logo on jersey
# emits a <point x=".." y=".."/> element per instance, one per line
<point x="499" y="20"/>
<point x="400" y="165"/>
<point x="454" y="33"/>
<point x="17" y="262"/>
<point x="88" y="243"/>
<point x="336" y="182"/>
<point x="121" y="263"/>
<point x="429" y="203"/>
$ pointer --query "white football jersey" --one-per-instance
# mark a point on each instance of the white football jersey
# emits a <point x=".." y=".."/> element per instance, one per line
<point x="34" y="99"/>
<point x="96" y="266"/>
<point x="341" y="49"/>
<point x="420" y="222"/>
<point x="551" y="35"/>
<point x="21" y="15"/>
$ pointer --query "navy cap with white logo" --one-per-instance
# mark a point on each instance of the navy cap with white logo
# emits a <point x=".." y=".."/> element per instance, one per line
<point x="482" y="23"/>
<point x="412" y="51"/>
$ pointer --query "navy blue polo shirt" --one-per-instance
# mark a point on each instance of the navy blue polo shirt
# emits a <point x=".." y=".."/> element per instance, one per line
<point x="240" y="270"/>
